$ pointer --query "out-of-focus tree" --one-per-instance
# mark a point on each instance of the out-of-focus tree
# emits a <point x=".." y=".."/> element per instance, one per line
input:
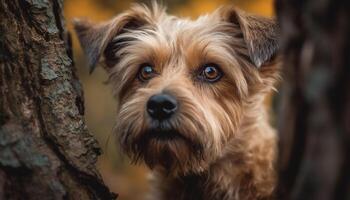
<point x="315" y="111"/>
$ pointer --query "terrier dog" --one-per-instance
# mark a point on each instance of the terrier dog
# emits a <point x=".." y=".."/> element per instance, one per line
<point x="190" y="98"/>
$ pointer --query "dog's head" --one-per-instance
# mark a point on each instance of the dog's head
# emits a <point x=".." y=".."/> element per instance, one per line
<point x="183" y="86"/>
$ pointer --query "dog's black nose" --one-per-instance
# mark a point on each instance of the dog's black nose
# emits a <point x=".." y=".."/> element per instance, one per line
<point x="161" y="106"/>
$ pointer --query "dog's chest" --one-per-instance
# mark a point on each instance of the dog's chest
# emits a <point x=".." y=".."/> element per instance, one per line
<point x="191" y="188"/>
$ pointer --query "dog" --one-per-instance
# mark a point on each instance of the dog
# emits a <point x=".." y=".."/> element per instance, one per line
<point x="190" y="97"/>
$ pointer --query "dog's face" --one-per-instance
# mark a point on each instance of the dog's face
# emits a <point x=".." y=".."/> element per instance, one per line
<point x="182" y="86"/>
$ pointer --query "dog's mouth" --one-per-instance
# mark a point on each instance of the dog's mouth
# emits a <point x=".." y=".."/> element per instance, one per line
<point x="164" y="134"/>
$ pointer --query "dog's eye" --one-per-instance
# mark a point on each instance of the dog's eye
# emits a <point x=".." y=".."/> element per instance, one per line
<point x="210" y="73"/>
<point x="146" y="72"/>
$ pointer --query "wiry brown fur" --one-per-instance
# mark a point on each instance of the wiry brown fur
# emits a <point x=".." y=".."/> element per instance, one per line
<point x="225" y="148"/>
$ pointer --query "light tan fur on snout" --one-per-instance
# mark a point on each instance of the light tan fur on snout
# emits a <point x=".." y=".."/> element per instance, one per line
<point x="227" y="148"/>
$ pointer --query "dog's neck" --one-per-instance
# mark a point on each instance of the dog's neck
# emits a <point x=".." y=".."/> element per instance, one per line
<point x="243" y="172"/>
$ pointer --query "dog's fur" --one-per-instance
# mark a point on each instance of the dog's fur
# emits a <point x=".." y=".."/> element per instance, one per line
<point x="225" y="147"/>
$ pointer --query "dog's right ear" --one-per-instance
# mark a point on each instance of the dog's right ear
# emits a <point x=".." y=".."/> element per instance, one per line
<point x="259" y="33"/>
<point x="94" y="38"/>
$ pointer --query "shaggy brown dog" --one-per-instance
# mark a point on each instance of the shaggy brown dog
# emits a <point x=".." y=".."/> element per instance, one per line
<point x="191" y="98"/>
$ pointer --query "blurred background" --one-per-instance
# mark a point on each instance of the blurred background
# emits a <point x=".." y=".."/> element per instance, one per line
<point x="129" y="181"/>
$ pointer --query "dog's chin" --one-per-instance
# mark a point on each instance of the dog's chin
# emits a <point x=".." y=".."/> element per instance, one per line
<point x="169" y="150"/>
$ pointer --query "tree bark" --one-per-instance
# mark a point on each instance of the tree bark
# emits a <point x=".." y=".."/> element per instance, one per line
<point x="314" y="123"/>
<point x="46" y="151"/>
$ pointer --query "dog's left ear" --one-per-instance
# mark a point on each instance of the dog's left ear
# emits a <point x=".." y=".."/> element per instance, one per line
<point x="260" y="34"/>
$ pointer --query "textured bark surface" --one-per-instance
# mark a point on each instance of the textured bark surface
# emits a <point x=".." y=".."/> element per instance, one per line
<point x="46" y="151"/>
<point x="315" y="111"/>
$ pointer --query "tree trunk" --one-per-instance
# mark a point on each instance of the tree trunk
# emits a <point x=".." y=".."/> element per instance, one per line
<point x="46" y="151"/>
<point x="315" y="111"/>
